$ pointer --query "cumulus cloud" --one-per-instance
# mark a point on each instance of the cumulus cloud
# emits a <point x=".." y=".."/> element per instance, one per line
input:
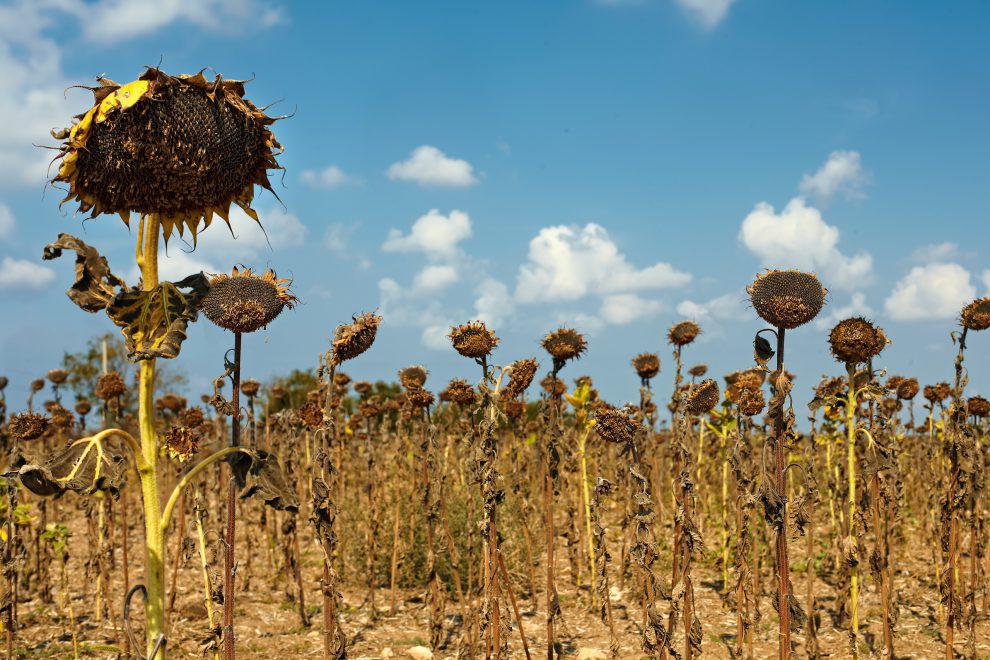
<point x="329" y="178"/>
<point x="857" y="306"/>
<point x="434" y="278"/>
<point x="493" y="304"/>
<point x="623" y="308"/>
<point x="7" y="223"/>
<point x="934" y="291"/>
<point x="842" y="172"/>
<point x="708" y="13"/>
<point x="567" y="263"/>
<point x="727" y="307"/>
<point x="22" y="275"/>
<point x="434" y="234"/>
<point x="798" y="237"/>
<point x="428" y="166"/>
<point x="936" y="252"/>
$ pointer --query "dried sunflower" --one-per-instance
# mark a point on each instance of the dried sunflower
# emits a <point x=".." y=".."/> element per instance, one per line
<point x="28" y="426"/>
<point x="83" y="407"/>
<point x="250" y="387"/>
<point x="473" y="339"/>
<point x="58" y="376"/>
<point x="363" y="387"/>
<point x="702" y="397"/>
<point x="419" y="398"/>
<point x="787" y="298"/>
<point x="907" y="389"/>
<point x="564" y="344"/>
<point x="181" y="443"/>
<point x="683" y="333"/>
<point x="181" y="147"/>
<point x="698" y="370"/>
<point x="244" y="302"/>
<point x="856" y="340"/>
<point x="110" y="386"/>
<point x="751" y="402"/>
<point x="614" y="425"/>
<point x="647" y="365"/>
<point x="521" y="374"/>
<point x="977" y="406"/>
<point x="414" y="377"/>
<point x="353" y="339"/>
<point x="976" y="315"/>
<point x="460" y="392"/>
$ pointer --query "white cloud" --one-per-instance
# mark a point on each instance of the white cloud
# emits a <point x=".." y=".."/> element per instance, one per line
<point x="434" y="278"/>
<point x="120" y="20"/>
<point x="329" y="178"/>
<point x="935" y="291"/>
<point x="798" y="237"/>
<point x="337" y="238"/>
<point x="842" y="172"/>
<point x="567" y="263"/>
<point x="709" y="13"/>
<point x="857" y="307"/>
<point x="22" y="275"/>
<point x="435" y="336"/>
<point x="434" y="234"/>
<point x="936" y="252"/>
<point x="727" y="307"/>
<point x="428" y="166"/>
<point x="7" y="223"/>
<point x="494" y="303"/>
<point x="624" y="308"/>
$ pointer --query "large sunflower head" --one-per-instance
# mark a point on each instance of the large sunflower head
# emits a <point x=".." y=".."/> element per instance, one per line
<point x="787" y="298"/>
<point x="182" y="147"/>
<point x="244" y="302"/>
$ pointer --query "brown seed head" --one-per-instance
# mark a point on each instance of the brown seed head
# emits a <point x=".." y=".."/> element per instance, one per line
<point x="521" y="374"/>
<point x="698" y="370"/>
<point x="83" y="407"/>
<point x="173" y="402"/>
<point x="856" y="340"/>
<point x="353" y="339"/>
<point x="58" y="376"/>
<point x="977" y="406"/>
<point x="614" y="425"/>
<point x="191" y="417"/>
<point x="473" y="339"/>
<point x="647" y="365"/>
<point x="751" y="403"/>
<point x="550" y="387"/>
<point x="181" y="443"/>
<point x="28" y="426"/>
<point x="937" y="393"/>
<point x="907" y="389"/>
<point x="37" y="384"/>
<point x="413" y="377"/>
<point x="311" y="414"/>
<point x="787" y="298"/>
<point x="244" y="302"/>
<point x="363" y="387"/>
<point x="250" y="387"/>
<point x="514" y="408"/>
<point x="61" y="416"/>
<point x="564" y="344"/>
<point x="702" y="397"/>
<point x="976" y="315"/>
<point x="419" y="398"/>
<point x="460" y="392"/>
<point x="683" y="333"/>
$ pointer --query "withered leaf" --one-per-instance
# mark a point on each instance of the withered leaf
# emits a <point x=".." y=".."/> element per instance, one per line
<point x="266" y="479"/>
<point x="154" y="322"/>
<point x="95" y="286"/>
<point x="84" y="467"/>
<point x="762" y="350"/>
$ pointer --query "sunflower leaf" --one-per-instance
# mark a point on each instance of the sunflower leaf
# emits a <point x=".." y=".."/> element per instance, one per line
<point x="85" y="466"/>
<point x="154" y="322"/>
<point x="95" y="286"/>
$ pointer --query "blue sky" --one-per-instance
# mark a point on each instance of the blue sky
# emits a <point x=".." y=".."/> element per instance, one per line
<point x="615" y="165"/>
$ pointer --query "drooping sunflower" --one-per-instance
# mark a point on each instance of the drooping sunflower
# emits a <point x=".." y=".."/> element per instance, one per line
<point x="182" y="147"/>
<point x="244" y="302"/>
<point x="787" y="298"/>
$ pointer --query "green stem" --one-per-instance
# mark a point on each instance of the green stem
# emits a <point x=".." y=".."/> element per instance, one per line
<point x="179" y="487"/>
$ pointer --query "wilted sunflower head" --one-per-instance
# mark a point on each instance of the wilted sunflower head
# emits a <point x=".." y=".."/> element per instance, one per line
<point x="751" y="402"/>
<point x="37" y="384"/>
<point x="244" y="302"/>
<point x="937" y="393"/>
<point x="192" y="417"/>
<point x="856" y="340"/>
<point x="181" y="147"/>
<point x="58" y="376"/>
<point x="787" y="298"/>
<point x="473" y="339"/>
<point x="419" y="398"/>
<point x="647" y="365"/>
<point x="341" y="379"/>
<point x="613" y="425"/>
<point x="553" y="386"/>
<point x="564" y="344"/>
<point x="311" y="414"/>
<point x="28" y="426"/>
<point x="521" y="374"/>
<point x="353" y="339"/>
<point x="83" y="407"/>
<point x="363" y="387"/>
<point x="738" y="382"/>
<point x="683" y="333"/>
<point x="907" y="389"/>
<point x="414" y="377"/>
<point x="698" y="370"/>
<point x="181" y="443"/>
<point x="977" y="406"/>
<point x="702" y="397"/>
<point x="460" y="392"/>
<point x="250" y="387"/>
<point x="110" y="386"/>
<point x="61" y="416"/>
<point x="976" y="315"/>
